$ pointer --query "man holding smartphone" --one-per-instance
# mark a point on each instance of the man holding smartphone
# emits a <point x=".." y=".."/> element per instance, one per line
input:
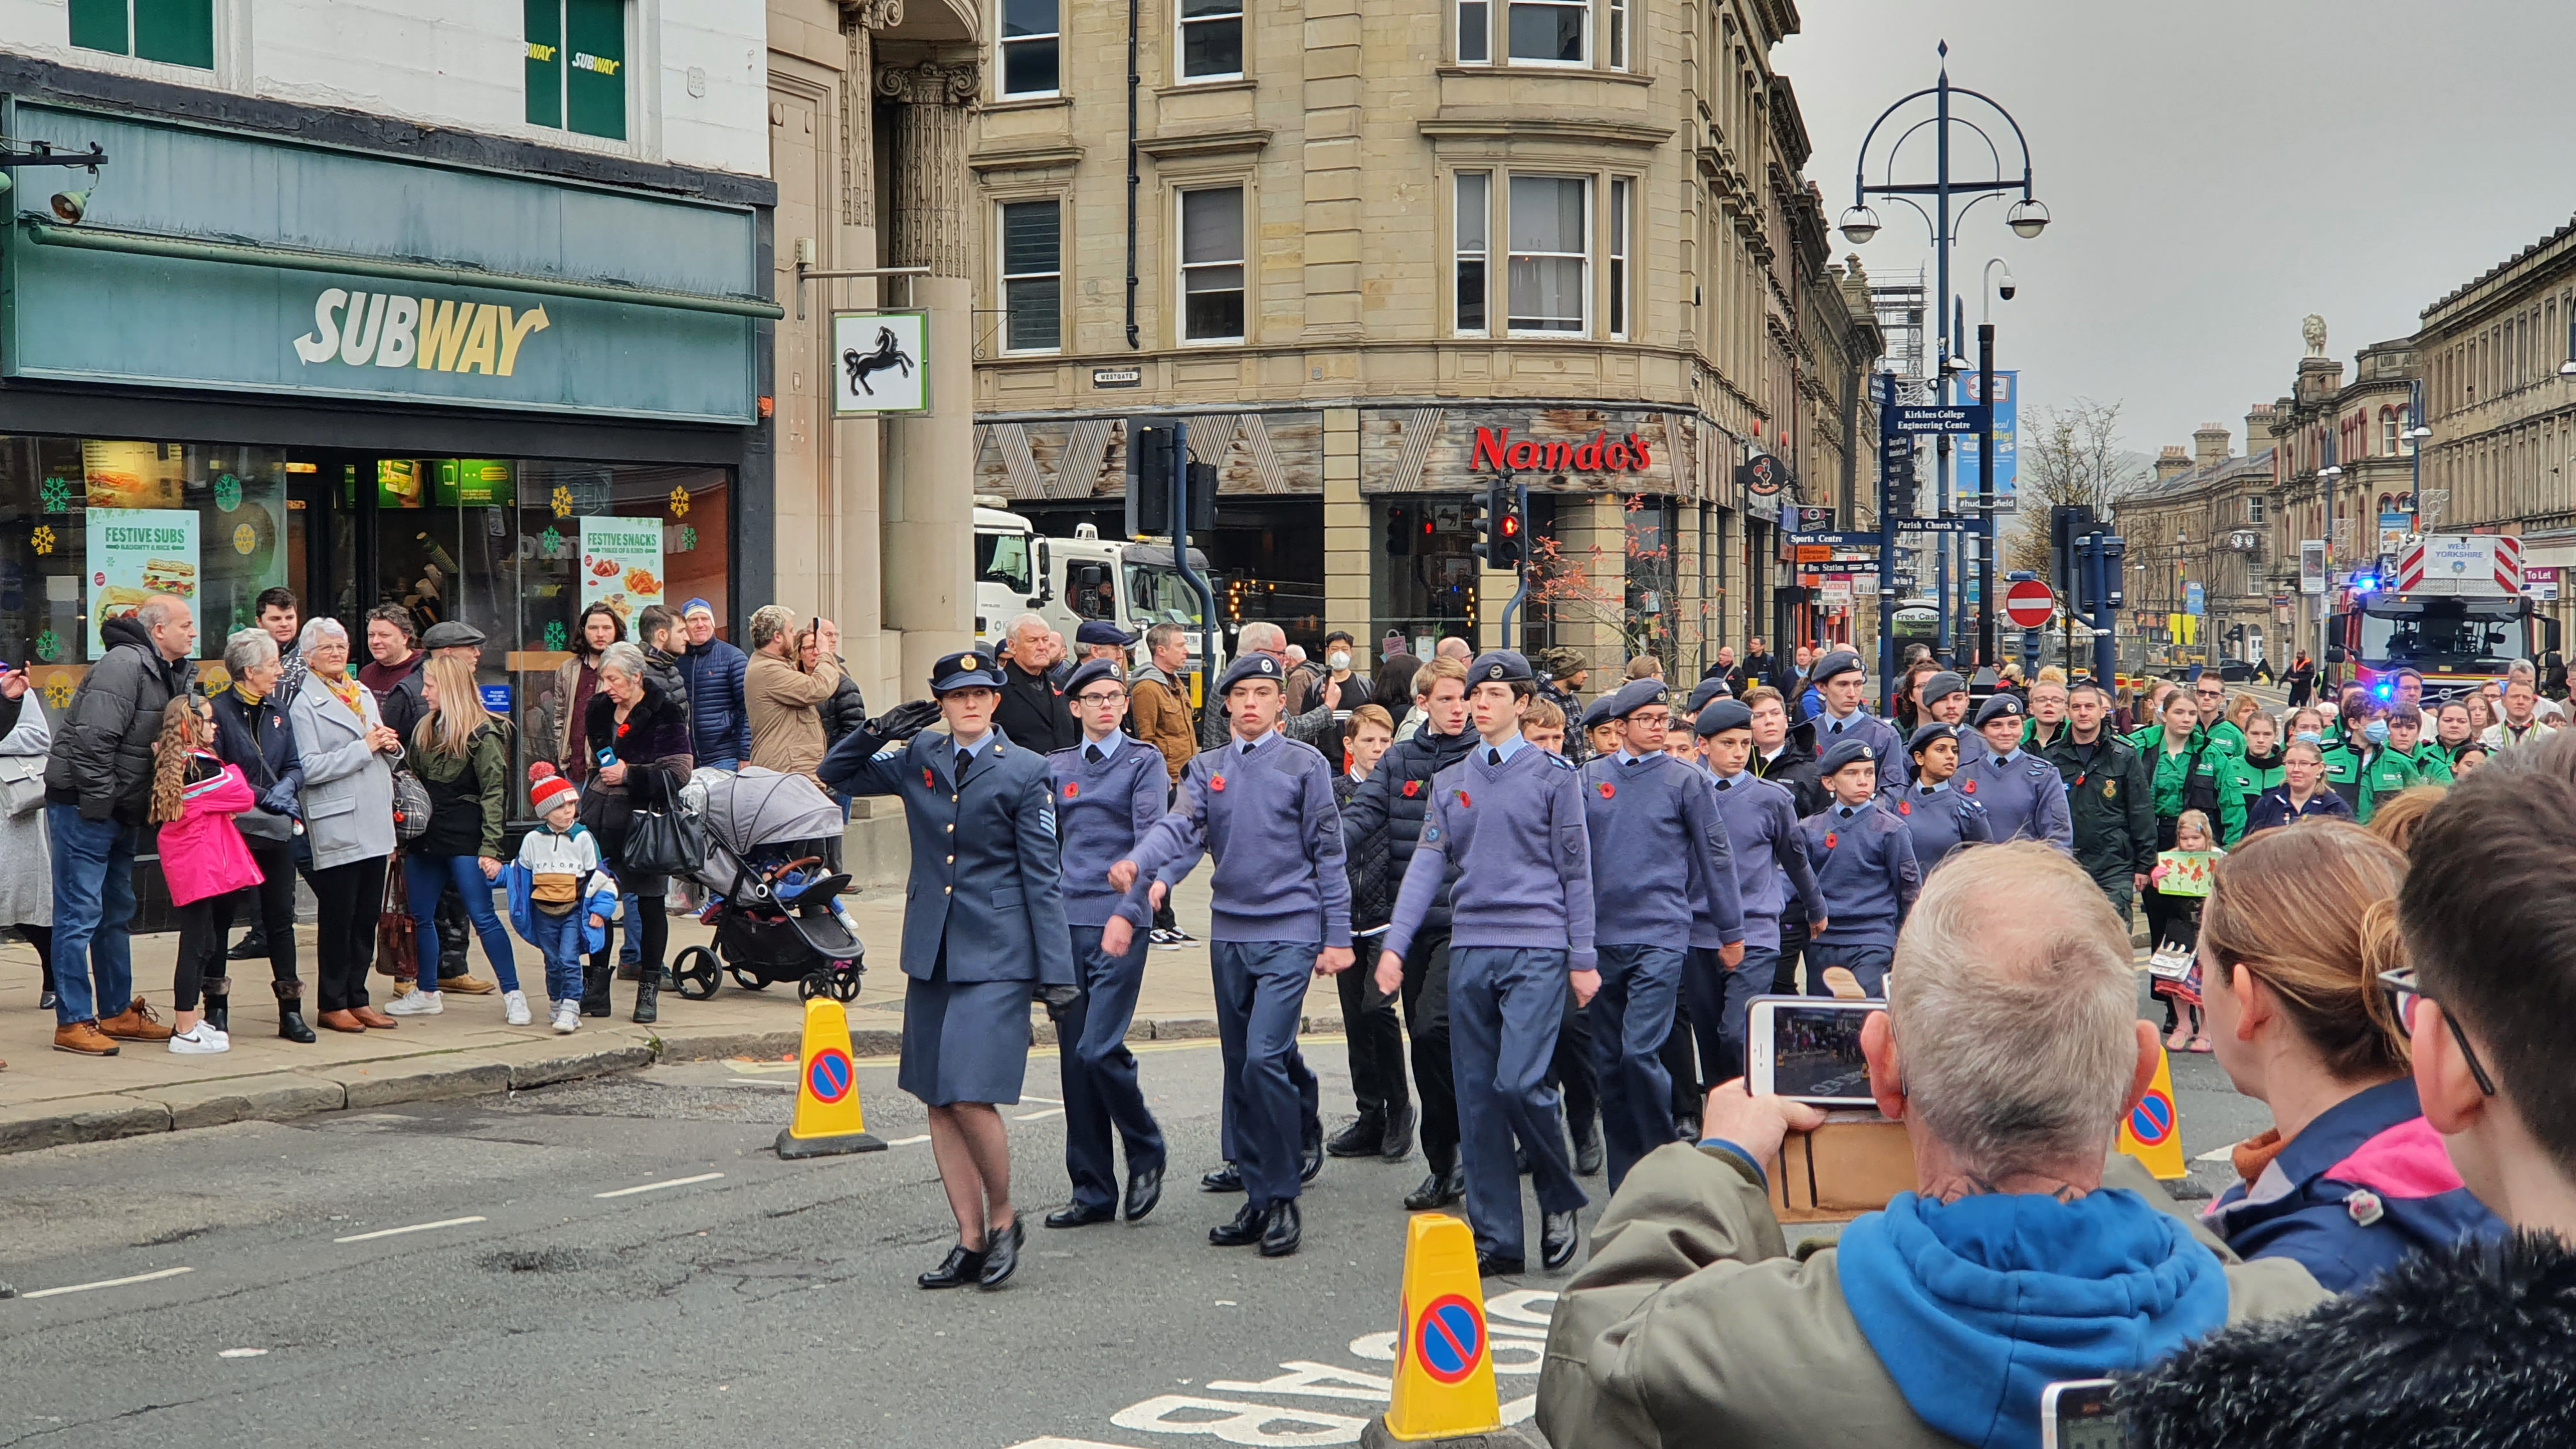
<point x="1520" y="936"/>
<point x="1656" y="815"/>
<point x="1865" y="868"/>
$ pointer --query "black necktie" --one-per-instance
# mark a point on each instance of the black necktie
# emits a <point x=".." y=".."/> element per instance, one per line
<point x="1493" y="757"/>
<point x="1838" y="727"/>
<point x="1726" y="784"/>
<point x="964" y="758"/>
<point x="1091" y="753"/>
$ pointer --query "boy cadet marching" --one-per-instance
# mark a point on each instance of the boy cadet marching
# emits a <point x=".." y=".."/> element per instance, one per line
<point x="1108" y="793"/>
<point x="983" y="935"/>
<point x="1865" y="869"/>
<point x="1520" y="917"/>
<point x="1656" y="815"/>
<point x="2024" y="796"/>
<point x="1938" y="818"/>
<point x="1840" y="681"/>
<point x="1262" y="804"/>
<point x="1771" y="868"/>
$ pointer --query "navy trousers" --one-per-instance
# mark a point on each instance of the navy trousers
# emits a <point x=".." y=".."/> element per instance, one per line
<point x="1099" y="1073"/>
<point x="1716" y="998"/>
<point x="1867" y="964"/>
<point x="1630" y="1019"/>
<point x="1269" y="1093"/>
<point x="1505" y="1006"/>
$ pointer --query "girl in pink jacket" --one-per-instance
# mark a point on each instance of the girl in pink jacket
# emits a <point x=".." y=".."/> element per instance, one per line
<point x="194" y="799"/>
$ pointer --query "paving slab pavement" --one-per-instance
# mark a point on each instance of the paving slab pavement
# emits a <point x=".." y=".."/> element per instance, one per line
<point x="48" y="1098"/>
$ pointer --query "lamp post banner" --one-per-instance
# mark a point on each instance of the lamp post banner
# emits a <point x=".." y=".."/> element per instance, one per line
<point x="2007" y="452"/>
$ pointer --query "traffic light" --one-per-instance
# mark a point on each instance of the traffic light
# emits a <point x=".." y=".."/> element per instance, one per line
<point x="1399" y="531"/>
<point x="1509" y="546"/>
<point x="1480" y="515"/>
<point x="1150" y="458"/>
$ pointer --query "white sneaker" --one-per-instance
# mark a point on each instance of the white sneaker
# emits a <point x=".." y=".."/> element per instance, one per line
<point x="205" y="1041"/>
<point x="418" y="1003"/>
<point x="514" y="1007"/>
<point x="567" y="1017"/>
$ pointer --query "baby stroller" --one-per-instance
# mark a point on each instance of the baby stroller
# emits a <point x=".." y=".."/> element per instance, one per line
<point x="773" y="903"/>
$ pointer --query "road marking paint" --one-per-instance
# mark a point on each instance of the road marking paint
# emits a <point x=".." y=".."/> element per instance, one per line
<point x="909" y="1141"/>
<point x="2219" y="1154"/>
<point x="1034" y="1097"/>
<point x="1035" y="1116"/>
<point x="107" y="1283"/>
<point x="658" y="1186"/>
<point x="414" y="1228"/>
<point x="241" y="1353"/>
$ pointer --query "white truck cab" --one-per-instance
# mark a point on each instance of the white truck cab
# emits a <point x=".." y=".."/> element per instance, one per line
<point x="1067" y="581"/>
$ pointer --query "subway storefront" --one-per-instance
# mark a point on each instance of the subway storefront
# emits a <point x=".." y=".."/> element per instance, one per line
<point x="458" y="385"/>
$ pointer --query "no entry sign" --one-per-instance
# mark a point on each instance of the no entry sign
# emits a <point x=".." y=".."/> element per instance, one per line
<point x="2028" y="604"/>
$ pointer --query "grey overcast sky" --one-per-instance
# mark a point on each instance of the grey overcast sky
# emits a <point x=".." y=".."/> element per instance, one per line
<point x="2217" y="171"/>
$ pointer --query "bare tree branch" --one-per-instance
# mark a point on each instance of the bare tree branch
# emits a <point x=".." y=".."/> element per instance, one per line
<point x="2070" y="456"/>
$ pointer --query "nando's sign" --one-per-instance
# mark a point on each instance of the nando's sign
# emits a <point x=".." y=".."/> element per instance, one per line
<point x="1496" y="450"/>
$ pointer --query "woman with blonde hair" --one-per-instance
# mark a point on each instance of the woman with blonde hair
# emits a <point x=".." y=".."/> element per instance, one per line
<point x="461" y="753"/>
<point x="2397" y="816"/>
<point x="2350" y="1178"/>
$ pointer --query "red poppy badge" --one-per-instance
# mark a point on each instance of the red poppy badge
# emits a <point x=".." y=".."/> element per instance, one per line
<point x="1968" y="787"/>
<point x="1607" y="789"/>
<point x="927" y="779"/>
<point x="1830" y="838"/>
<point x="1217" y="783"/>
<point x="1072" y="788"/>
<point x="1412" y="788"/>
<point x="1463" y="801"/>
<point x="1903" y="807"/>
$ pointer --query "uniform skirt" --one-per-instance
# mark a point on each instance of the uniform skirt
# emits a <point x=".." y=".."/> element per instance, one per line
<point x="964" y="1041"/>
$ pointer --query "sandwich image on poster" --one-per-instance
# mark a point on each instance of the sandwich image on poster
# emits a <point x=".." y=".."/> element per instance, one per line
<point x="135" y="553"/>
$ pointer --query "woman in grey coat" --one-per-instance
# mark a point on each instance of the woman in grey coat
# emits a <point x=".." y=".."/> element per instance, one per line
<point x="348" y="801"/>
<point x="26" y="865"/>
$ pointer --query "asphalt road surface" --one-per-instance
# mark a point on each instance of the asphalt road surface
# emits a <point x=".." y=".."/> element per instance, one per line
<point x="623" y="1261"/>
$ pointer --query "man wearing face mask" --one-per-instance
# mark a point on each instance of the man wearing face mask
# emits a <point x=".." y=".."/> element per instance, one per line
<point x="2405" y="761"/>
<point x="1337" y="663"/>
<point x="2365" y="734"/>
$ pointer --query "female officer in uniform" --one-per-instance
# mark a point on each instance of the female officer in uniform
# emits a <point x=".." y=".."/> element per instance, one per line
<point x="983" y="931"/>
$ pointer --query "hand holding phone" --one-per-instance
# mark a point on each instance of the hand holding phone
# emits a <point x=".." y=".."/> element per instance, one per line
<point x="1808" y="1048"/>
<point x="2077" y="1414"/>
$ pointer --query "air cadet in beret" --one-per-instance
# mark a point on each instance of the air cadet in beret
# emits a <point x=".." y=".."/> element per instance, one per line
<point x="1657" y="815"/>
<point x="2024" y="796"/>
<point x="1099" y="639"/>
<point x="1109" y="791"/>
<point x="1509" y="818"/>
<point x="1840" y="681"/>
<point x="1262" y="805"/>
<point x="1865" y="869"/>
<point x="1937" y="817"/>
<point x="1943" y="698"/>
<point x="1771" y="868"/>
<point x="983" y="932"/>
<point x="1712" y="688"/>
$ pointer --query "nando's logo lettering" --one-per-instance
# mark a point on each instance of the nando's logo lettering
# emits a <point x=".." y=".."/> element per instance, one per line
<point x="1496" y="450"/>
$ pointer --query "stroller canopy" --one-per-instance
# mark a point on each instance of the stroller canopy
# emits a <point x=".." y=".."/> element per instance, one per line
<point x="757" y="807"/>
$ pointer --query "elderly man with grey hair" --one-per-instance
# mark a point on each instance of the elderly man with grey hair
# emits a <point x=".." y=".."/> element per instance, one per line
<point x="1033" y="713"/>
<point x="1314" y="727"/>
<point x="2010" y="1048"/>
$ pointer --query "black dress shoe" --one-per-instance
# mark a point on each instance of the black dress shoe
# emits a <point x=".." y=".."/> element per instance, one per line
<point x="1242" y="1232"/>
<point x="1495" y="1265"/>
<point x="45" y="1000"/>
<point x="961" y="1268"/>
<point x="1439" y="1190"/>
<point x="1360" y="1139"/>
<point x="1587" y="1151"/>
<point x="1280" y="1230"/>
<point x="1558" y="1237"/>
<point x="1310" y="1152"/>
<point x="1397" y="1145"/>
<point x="1228" y="1178"/>
<point x="1144" y="1189"/>
<point x="1079" y="1215"/>
<point x="1002" y="1255"/>
<point x="253" y="947"/>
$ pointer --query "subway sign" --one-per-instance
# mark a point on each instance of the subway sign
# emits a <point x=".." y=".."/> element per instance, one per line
<point x="356" y="329"/>
<point x="1496" y="449"/>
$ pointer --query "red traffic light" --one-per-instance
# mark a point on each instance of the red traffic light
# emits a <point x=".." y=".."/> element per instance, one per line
<point x="1511" y="524"/>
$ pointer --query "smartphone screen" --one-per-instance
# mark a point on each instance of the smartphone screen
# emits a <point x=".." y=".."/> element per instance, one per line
<point x="1814" y="1050"/>
<point x="607" y="757"/>
<point x="2078" y="1415"/>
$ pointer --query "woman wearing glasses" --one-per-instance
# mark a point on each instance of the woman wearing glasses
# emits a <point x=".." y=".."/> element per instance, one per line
<point x="2299" y="926"/>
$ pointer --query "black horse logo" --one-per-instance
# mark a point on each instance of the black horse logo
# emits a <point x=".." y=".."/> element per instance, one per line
<point x="888" y="354"/>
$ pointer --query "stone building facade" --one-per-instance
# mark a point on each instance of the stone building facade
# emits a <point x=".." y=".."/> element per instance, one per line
<point x="1373" y="253"/>
<point x="2204" y="519"/>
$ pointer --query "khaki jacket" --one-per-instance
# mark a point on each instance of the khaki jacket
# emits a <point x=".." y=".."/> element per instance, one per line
<point x="1162" y="719"/>
<point x="1692" y="1324"/>
<point x="785" y="707"/>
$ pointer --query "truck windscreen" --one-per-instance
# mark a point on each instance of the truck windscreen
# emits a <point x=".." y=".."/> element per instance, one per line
<point x="1159" y="595"/>
<point x="2442" y="634"/>
<point x="1003" y="558"/>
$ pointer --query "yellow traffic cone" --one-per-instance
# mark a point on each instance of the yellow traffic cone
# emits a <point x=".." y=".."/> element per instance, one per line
<point x="2152" y="1130"/>
<point x="1444" y="1370"/>
<point x="827" y="1120"/>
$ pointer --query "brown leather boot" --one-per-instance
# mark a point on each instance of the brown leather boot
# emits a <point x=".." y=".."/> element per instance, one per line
<point x="136" y="1023"/>
<point x="83" y="1038"/>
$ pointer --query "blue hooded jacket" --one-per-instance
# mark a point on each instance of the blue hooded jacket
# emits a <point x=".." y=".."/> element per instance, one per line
<point x="1975" y="1306"/>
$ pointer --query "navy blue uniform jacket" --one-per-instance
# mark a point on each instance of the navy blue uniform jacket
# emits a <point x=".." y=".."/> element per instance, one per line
<point x="986" y="874"/>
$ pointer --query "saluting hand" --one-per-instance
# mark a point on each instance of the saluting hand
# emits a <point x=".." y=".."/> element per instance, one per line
<point x="1122" y="876"/>
<point x="1334" y="960"/>
<point x="1390" y="973"/>
<point x="1586" y="984"/>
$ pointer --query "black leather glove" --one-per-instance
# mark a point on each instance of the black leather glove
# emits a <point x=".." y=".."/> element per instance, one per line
<point x="904" y="721"/>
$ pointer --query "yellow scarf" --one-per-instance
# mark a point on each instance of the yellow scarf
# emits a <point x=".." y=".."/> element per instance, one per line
<point x="345" y="689"/>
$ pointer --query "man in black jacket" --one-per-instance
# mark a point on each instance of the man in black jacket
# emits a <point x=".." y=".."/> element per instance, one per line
<point x="1386" y="815"/>
<point x="2470" y="1344"/>
<point x="1384" y="1127"/>
<point x="1032" y="713"/>
<point x="98" y="797"/>
<point x="2110" y="797"/>
<point x="1783" y="756"/>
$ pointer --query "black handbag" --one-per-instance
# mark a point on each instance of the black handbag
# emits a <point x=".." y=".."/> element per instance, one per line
<point x="664" y="839"/>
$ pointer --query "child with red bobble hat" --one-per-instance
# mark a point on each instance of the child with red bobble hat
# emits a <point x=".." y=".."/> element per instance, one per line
<point x="568" y="895"/>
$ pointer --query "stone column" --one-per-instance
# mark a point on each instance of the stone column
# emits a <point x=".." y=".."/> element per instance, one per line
<point x="1348" y="557"/>
<point x="929" y="494"/>
<point x="1692" y="646"/>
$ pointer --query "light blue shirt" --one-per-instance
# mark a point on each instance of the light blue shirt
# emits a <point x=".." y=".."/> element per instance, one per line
<point x="1243" y="746"/>
<point x="976" y="748"/>
<point x="1108" y="747"/>
<point x="1512" y="746"/>
<point x="1629" y="760"/>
